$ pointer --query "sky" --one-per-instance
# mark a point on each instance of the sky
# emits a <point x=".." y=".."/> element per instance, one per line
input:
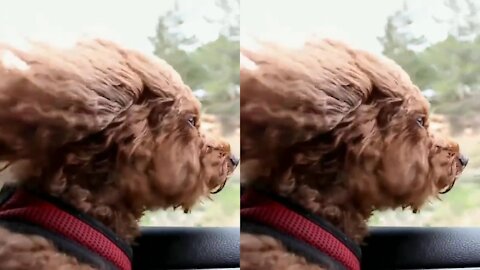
<point x="128" y="22"/>
<point x="131" y="22"/>
<point x="354" y="21"/>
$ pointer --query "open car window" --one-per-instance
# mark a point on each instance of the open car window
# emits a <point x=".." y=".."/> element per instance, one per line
<point x="438" y="45"/>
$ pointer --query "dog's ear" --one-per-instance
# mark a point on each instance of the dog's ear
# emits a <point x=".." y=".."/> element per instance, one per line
<point x="388" y="108"/>
<point x="290" y="97"/>
<point x="50" y="97"/>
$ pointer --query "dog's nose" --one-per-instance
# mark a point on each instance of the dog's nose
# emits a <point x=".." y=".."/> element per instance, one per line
<point x="234" y="160"/>
<point x="463" y="160"/>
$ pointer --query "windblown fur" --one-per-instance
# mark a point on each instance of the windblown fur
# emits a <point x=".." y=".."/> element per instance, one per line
<point x="106" y="129"/>
<point x="339" y="131"/>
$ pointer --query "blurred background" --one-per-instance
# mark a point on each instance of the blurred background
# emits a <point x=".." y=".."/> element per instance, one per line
<point x="199" y="38"/>
<point x="436" y="41"/>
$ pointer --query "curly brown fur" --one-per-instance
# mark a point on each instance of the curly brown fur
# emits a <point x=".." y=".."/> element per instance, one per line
<point x="273" y="255"/>
<point x="340" y="132"/>
<point x="106" y="129"/>
<point x="33" y="252"/>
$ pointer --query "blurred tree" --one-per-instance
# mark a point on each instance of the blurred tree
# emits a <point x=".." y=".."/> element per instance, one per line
<point x="464" y="22"/>
<point x="449" y="66"/>
<point x="212" y="67"/>
<point x="399" y="43"/>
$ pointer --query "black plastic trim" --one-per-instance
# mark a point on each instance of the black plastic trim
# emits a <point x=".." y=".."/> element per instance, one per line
<point x="187" y="248"/>
<point x="421" y="248"/>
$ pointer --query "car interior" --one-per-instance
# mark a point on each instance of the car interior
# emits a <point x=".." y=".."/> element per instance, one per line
<point x="385" y="248"/>
<point x="187" y="248"/>
<point x="422" y="248"/>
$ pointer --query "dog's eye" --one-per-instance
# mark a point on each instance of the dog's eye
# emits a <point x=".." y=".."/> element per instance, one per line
<point x="421" y="121"/>
<point x="192" y="121"/>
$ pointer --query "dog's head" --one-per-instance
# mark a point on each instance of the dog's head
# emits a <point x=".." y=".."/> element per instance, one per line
<point x="343" y="123"/>
<point x="101" y="117"/>
<point x="391" y="154"/>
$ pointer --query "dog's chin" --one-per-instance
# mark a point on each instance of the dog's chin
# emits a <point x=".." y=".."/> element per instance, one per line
<point x="415" y="207"/>
<point x="456" y="171"/>
<point x="440" y="190"/>
<point x="220" y="182"/>
<point x="219" y="187"/>
<point x="447" y="189"/>
<point x="217" y="184"/>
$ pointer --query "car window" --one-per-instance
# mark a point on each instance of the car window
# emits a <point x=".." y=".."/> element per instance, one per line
<point x="198" y="38"/>
<point x="442" y="63"/>
<point x="436" y="42"/>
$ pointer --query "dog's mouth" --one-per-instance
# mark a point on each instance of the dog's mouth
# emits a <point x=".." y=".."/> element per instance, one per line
<point x="449" y="187"/>
<point x="219" y="188"/>
<point x="227" y="170"/>
<point x="458" y="167"/>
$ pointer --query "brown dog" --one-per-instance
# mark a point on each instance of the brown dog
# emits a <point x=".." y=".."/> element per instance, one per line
<point x="106" y="131"/>
<point x="335" y="132"/>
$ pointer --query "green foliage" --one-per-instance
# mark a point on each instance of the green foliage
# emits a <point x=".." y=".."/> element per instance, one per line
<point x="450" y="66"/>
<point x="397" y="44"/>
<point x="212" y="66"/>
